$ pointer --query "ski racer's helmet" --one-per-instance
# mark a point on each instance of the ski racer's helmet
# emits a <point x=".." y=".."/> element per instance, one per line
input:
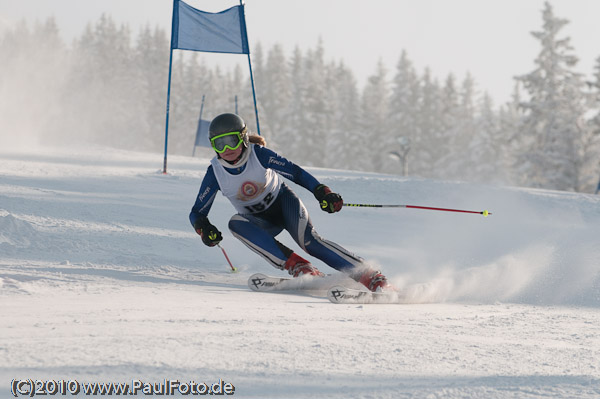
<point x="227" y="131"/>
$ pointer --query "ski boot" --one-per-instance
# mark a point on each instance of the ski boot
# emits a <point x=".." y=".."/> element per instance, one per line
<point x="298" y="266"/>
<point x="372" y="279"/>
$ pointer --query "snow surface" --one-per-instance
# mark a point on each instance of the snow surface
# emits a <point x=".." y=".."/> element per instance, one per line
<point x="103" y="279"/>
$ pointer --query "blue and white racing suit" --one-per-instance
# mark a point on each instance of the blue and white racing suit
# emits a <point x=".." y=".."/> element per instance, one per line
<point x="266" y="206"/>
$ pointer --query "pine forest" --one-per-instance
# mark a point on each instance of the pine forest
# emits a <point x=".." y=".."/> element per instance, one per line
<point x="109" y="87"/>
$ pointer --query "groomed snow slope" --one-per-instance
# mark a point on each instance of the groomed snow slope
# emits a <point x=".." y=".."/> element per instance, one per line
<point x="103" y="280"/>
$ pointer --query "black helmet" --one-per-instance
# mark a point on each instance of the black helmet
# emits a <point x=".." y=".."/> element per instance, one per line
<point x="226" y="123"/>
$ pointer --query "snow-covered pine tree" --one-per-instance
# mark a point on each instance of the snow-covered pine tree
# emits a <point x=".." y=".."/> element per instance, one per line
<point x="241" y="86"/>
<point x="595" y="103"/>
<point x="551" y="138"/>
<point x="292" y="124"/>
<point x="151" y="69"/>
<point x="315" y="130"/>
<point x="426" y="152"/>
<point x="460" y="162"/>
<point x="102" y="78"/>
<point x="591" y="161"/>
<point x="243" y="90"/>
<point x="446" y="151"/>
<point x="33" y="70"/>
<point x="178" y="109"/>
<point x="374" y="121"/>
<point x="404" y="110"/>
<point x="275" y="94"/>
<point x="345" y="144"/>
<point x="510" y="120"/>
<point x="332" y="124"/>
<point x="487" y="146"/>
<point x="186" y="100"/>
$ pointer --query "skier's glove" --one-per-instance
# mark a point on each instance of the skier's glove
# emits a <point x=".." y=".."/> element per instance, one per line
<point x="211" y="236"/>
<point x="330" y="202"/>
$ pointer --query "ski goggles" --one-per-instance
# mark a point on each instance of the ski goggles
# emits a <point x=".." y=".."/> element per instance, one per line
<point x="222" y="142"/>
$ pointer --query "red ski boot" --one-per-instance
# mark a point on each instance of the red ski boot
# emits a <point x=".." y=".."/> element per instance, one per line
<point x="372" y="279"/>
<point x="298" y="266"/>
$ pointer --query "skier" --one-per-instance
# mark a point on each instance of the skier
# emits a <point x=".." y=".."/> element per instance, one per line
<point x="247" y="173"/>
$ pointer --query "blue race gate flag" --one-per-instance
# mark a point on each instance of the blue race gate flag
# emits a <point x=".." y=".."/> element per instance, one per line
<point x="222" y="32"/>
<point x="202" y="134"/>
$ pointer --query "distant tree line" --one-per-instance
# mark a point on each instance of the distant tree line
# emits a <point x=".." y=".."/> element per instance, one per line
<point x="109" y="87"/>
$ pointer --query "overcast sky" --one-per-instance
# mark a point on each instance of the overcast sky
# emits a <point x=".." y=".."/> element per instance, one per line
<point x="488" y="38"/>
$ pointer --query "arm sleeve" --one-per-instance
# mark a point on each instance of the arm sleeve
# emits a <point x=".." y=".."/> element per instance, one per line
<point x="206" y="196"/>
<point x="286" y="168"/>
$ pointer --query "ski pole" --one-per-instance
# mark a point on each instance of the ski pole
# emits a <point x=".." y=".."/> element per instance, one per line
<point x="484" y="213"/>
<point x="233" y="268"/>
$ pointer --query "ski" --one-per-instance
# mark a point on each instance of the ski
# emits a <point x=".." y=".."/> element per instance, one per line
<point x="263" y="283"/>
<point x="337" y="294"/>
<point x="345" y="295"/>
